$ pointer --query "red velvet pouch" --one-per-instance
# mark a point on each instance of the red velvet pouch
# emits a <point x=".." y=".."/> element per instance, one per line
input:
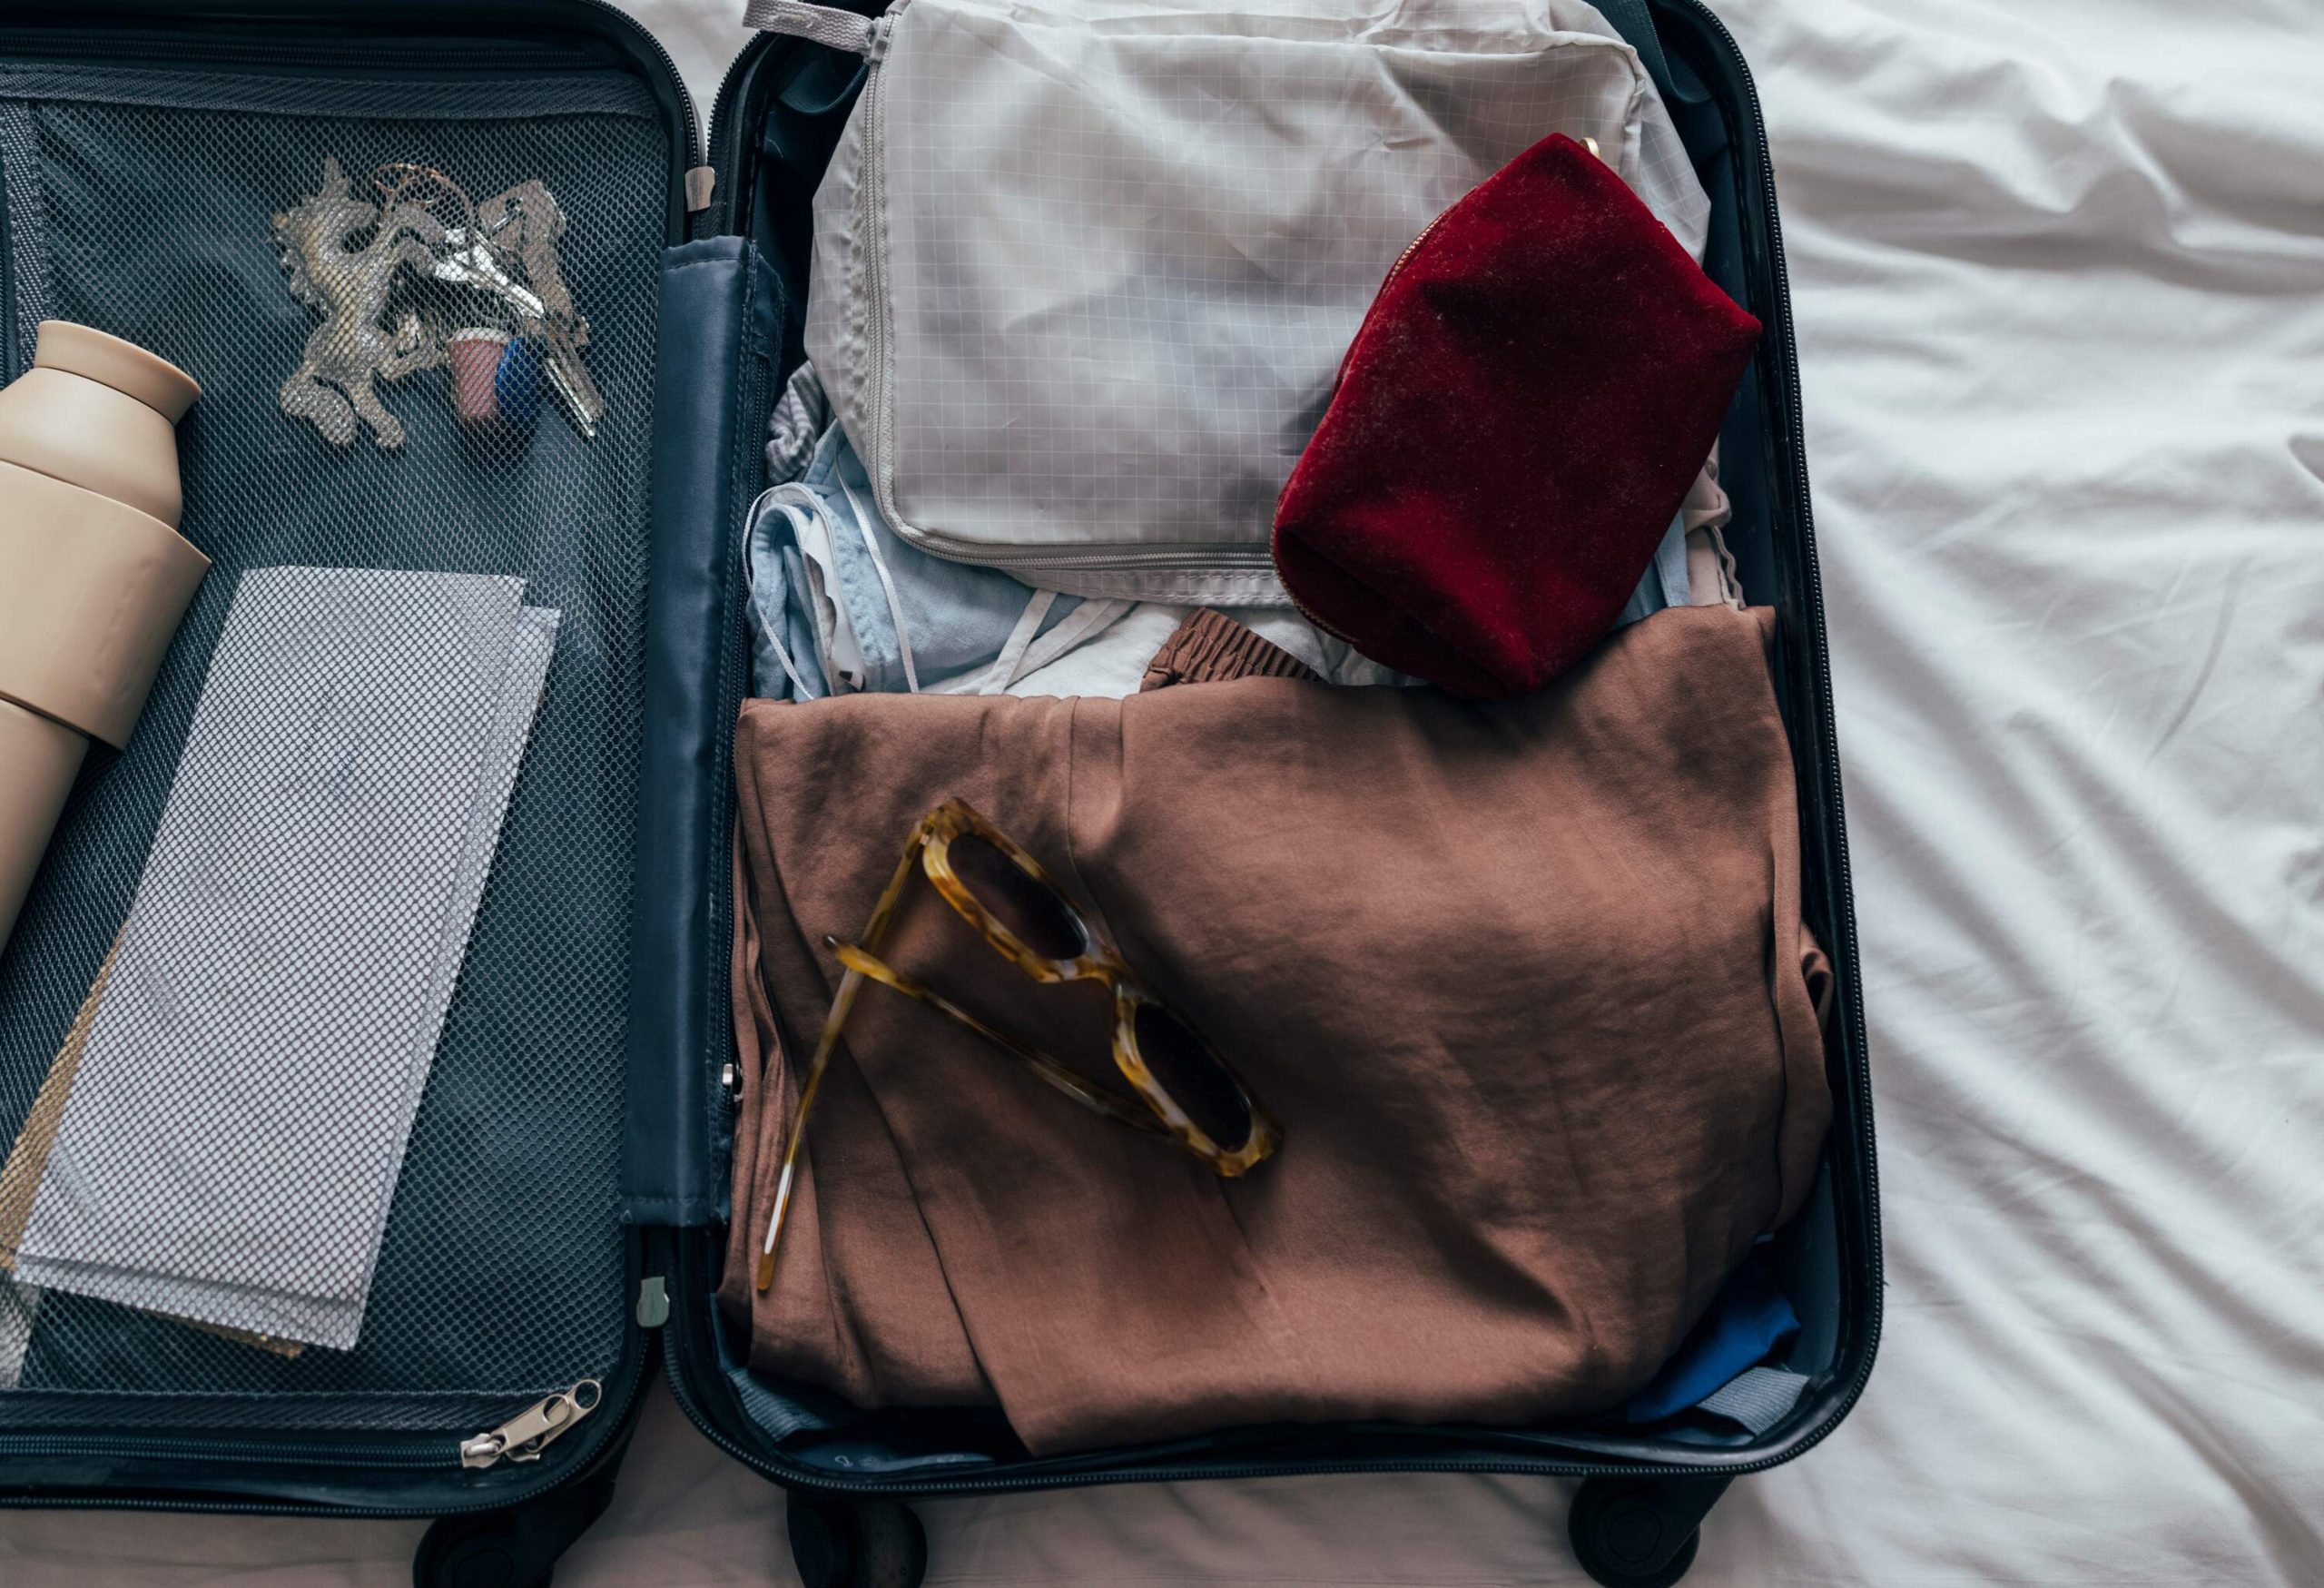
<point x="1515" y="428"/>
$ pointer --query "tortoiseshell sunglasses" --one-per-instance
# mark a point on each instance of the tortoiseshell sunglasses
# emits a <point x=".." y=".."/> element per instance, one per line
<point x="1186" y="1094"/>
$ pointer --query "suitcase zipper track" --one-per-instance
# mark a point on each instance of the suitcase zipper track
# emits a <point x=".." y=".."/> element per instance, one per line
<point x="1845" y="950"/>
<point x="106" y="45"/>
<point x="791" y="1476"/>
<point x="444" y="1453"/>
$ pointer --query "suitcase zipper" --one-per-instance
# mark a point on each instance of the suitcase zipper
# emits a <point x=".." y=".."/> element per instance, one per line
<point x="104" y="46"/>
<point x="520" y="1439"/>
<point x="410" y="1458"/>
<point x="522" y="1436"/>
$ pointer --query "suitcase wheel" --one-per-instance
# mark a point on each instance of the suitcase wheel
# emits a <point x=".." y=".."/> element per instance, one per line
<point x="856" y="1544"/>
<point x="1640" y="1534"/>
<point x="475" y="1552"/>
<point x="514" y="1548"/>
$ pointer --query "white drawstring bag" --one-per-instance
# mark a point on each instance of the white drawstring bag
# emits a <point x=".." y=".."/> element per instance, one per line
<point x="1084" y="271"/>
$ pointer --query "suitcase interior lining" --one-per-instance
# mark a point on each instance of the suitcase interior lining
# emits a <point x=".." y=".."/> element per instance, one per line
<point x="799" y="99"/>
<point x="141" y="202"/>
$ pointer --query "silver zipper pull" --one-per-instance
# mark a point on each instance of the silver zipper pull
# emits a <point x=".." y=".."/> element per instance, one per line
<point x="520" y="1438"/>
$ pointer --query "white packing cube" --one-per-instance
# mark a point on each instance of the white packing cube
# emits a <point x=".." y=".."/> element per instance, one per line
<point x="1083" y="273"/>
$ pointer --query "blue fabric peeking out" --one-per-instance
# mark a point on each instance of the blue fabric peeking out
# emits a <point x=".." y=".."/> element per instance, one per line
<point x="917" y="621"/>
<point x="1749" y="1318"/>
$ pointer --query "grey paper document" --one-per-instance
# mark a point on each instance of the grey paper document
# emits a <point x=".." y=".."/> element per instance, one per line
<point x="232" y="1140"/>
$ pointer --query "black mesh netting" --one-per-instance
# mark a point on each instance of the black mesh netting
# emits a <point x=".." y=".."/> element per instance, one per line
<point x="499" y="1275"/>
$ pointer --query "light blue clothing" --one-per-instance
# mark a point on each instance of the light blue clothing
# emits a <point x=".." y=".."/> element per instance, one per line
<point x="917" y="622"/>
<point x="786" y="661"/>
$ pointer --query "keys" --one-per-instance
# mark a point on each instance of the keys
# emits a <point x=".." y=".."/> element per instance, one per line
<point x="417" y="225"/>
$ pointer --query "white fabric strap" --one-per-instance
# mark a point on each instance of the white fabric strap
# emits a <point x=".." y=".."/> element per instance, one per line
<point x="1027" y="650"/>
<point x="1010" y="663"/>
<point x="1711" y="576"/>
<point x="1009" y="666"/>
<point x="1759" y="1397"/>
<point x="823" y="24"/>
<point x="1084" y="623"/>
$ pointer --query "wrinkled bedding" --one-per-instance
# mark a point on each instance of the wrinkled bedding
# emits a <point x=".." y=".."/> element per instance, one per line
<point x="2059" y="274"/>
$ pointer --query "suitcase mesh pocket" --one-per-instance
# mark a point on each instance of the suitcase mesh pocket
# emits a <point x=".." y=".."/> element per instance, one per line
<point x="143" y="203"/>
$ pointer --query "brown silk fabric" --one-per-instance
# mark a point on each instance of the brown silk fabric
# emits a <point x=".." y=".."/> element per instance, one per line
<point x="1526" y="982"/>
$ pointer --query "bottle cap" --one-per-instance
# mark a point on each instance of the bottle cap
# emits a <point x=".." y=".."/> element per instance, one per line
<point x="80" y="350"/>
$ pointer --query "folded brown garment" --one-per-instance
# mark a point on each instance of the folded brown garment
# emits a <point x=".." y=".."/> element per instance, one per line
<point x="1525" y="982"/>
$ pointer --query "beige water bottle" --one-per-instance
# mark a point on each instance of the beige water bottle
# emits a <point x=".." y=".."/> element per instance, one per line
<point x="94" y="574"/>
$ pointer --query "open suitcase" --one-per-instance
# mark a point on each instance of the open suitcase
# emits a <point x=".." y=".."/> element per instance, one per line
<point x="557" y="1227"/>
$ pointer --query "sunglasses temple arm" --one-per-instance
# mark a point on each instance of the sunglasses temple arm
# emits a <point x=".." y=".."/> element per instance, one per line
<point x="875" y="930"/>
<point x="1056" y="1073"/>
<point x="763" y="1277"/>
<point x="875" y="933"/>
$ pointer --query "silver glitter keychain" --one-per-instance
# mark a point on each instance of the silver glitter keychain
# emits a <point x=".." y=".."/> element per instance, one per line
<point x="512" y="324"/>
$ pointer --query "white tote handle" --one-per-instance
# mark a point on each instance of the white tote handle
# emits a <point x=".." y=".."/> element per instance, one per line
<point x="824" y="25"/>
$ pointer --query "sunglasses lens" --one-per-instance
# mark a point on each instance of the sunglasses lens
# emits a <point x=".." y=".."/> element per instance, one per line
<point x="1196" y="1081"/>
<point x="1037" y="917"/>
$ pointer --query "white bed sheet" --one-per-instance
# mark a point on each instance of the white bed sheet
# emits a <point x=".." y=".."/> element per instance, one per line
<point x="2059" y="273"/>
